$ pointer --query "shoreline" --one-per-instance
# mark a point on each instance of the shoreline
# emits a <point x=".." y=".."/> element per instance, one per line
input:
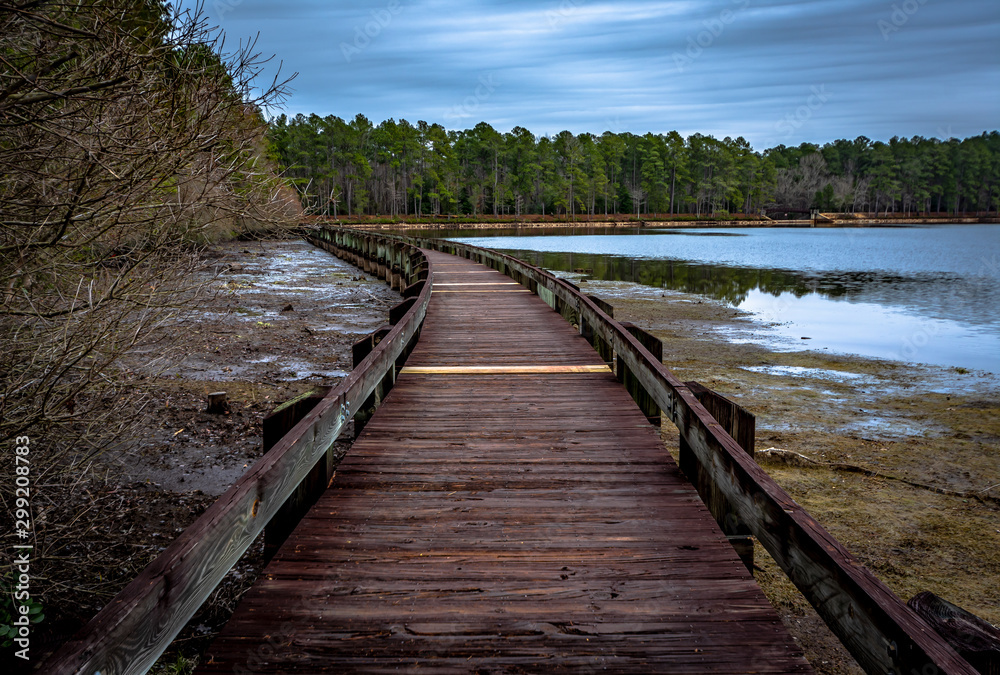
<point x="894" y="424"/>
<point x="832" y="408"/>
<point x="822" y="221"/>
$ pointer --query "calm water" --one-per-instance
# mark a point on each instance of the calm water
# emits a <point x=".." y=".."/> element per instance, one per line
<point x="919" y="294"/>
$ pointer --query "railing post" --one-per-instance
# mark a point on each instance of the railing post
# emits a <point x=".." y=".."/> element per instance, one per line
<point x="741" y="425"/>
<point x="547" y="296"/>
<point x="278" y="423"/>
<point x="359" y="351"/>
<point x="396" y="266"/>
<point x="602" y="346"/>
<point x="642" y="398"/>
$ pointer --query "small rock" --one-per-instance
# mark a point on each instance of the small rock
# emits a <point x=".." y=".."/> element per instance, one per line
<point x="288" y="308"/>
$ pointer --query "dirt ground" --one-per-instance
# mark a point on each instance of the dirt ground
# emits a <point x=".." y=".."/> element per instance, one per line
<point x="936" y="427"/>
<point x="279" y="319"/>
<point x="284" y="316"/>
<point x="282" y="321"/>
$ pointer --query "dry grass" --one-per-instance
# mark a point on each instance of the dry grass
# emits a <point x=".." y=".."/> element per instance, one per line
<point x="912" y="538"/>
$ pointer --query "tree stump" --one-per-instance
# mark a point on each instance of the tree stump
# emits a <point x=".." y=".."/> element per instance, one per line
<point x="218" y="403"/>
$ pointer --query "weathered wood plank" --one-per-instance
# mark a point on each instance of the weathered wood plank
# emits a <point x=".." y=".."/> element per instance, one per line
<point x="508" y="507"/>
<point x="881" y="632"/>
<point x="130" y="633"/>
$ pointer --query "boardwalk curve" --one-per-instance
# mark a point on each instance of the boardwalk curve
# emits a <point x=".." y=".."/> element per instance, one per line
<point x="510" y="446"/>
<point x="507" y="509"/>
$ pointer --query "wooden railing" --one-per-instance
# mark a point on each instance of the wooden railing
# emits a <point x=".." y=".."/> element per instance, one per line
<point x="882" y="633"/>
<point x="129" y="634"/>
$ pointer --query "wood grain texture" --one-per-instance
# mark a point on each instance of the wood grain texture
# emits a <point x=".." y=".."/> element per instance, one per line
<point x="133" y="629"/>
<point x="490" y="522"/>
<point x="975" y="639"/>
<point x="880" y="631"/>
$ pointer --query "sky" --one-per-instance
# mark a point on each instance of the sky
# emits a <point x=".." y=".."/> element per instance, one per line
<point x="772" y="71"/>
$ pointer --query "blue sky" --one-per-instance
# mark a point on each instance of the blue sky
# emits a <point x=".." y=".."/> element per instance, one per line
<point x="773" y="71"/>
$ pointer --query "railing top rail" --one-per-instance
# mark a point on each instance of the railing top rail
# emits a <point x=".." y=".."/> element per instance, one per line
<point x="880" y="630"/>
<point x="131" y="631"/>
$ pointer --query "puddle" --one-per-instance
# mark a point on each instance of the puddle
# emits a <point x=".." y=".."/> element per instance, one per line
<point x="884" y="427"/>
<point x="813" y="373"/>
<point x="280" y="312"/>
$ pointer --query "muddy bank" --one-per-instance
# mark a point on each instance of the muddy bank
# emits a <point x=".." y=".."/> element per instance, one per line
<point x="907" y="424"/>
<point x="275" y="320"/>
<point x="280" y="320"/>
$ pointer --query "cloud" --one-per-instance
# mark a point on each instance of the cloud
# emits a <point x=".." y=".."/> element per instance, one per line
<point x="726" y="67"/>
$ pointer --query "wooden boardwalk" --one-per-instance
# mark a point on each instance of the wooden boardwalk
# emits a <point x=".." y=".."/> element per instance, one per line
<point x="508" y="509"/>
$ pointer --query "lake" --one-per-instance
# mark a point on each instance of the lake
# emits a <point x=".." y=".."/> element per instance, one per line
<point x="923" y="294"/>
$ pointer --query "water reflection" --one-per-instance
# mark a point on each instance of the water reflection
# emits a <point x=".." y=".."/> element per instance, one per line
<point x="928" y="295"/>
<point x="720" y="282"/>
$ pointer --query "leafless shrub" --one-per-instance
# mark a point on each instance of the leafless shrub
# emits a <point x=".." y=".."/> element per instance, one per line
<point x="129" y="138"/>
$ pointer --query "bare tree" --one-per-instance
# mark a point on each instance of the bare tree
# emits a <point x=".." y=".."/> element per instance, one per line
<point x="128" y="138"/>
<point x="637" y="193"/>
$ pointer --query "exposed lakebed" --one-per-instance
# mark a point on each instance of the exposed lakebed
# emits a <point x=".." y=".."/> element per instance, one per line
<point x="278" y="319"/>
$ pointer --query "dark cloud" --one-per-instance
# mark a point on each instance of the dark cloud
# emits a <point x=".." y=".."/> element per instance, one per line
<point x="772" y="71"/>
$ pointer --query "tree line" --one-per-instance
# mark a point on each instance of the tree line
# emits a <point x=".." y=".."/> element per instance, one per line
<point x="398" y="169"/>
